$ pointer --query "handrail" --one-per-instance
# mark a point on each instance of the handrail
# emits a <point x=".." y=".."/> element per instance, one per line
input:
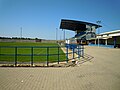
<point x="79" y="51"/>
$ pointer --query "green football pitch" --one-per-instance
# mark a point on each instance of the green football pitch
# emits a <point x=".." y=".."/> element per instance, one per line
<point x="40" y="52"/>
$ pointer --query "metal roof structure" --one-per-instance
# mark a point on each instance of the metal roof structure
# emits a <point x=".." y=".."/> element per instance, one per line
<point x="110" y="32"/>
<point x="76" y="25"/>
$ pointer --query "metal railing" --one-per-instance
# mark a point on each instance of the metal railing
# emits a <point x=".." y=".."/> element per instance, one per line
<point x="33" y="55"/>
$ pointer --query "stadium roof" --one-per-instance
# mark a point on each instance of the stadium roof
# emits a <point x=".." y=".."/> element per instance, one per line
<point x="76" y="25"/>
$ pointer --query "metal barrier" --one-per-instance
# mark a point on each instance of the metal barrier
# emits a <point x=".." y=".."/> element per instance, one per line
<point x="38" y="54"/>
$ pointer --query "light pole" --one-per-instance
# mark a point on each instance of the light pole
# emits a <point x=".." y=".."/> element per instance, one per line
<point x="56" y="34"/>
<point x="21" y="32"/>
<point x="98" y="23"/>
<point x="63" y="34"/>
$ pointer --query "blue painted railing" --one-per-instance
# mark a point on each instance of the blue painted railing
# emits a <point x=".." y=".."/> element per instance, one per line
<point x="75" y="49"/>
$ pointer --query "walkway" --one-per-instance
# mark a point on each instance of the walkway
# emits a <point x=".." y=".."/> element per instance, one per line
<point x="101" y="72"/>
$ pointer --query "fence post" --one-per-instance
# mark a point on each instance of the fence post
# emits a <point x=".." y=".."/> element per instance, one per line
<point x="73" y="53"/>
<point x="58" y="54"/>
<point x="82" y="51"/>
<point x="15" y="56"/>
<point x="79" y="51"/>
<point x="0" y="52"/>
<point x="47" y="56"/>
<point x="31" y="56"/>
<point x="67" y="53"/>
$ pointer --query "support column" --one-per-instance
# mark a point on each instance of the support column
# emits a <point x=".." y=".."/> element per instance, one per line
<point x="95" y="41"/>
<point x="98" y="41"/>
<point x="105" y="41"/>
<point x="114" y="41"/>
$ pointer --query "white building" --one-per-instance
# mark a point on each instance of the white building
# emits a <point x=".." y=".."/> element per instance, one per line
<point x="108" y="38"/>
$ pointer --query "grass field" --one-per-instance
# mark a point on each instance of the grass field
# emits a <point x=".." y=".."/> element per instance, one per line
<point x="40" y="53"/>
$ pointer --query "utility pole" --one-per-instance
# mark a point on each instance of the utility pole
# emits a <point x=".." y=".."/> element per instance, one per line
<point x="98" y="23"/>
<point x="56" y="34"/>
<point x="64" y="35"/>
<point x="60" y="36"/>
<point x="21" y="32"/>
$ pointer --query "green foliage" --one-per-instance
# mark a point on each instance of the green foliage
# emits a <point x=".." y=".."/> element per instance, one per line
<point x="26" y="44"/>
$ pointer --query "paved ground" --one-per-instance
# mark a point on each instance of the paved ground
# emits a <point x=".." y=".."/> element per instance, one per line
<point x="101" y="71"/>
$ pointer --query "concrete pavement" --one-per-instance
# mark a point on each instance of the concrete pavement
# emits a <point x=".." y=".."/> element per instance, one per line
<point x="101" y="72"/>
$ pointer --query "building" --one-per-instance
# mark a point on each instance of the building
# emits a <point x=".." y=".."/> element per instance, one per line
<point x="108" y="38"/>
<point x="84" y="30"/>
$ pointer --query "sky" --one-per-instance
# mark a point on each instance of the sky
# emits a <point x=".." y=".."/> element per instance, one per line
<point x="41" y="18"/>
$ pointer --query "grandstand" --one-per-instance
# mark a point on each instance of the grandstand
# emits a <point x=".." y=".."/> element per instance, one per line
<point x="84" y="30"/>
